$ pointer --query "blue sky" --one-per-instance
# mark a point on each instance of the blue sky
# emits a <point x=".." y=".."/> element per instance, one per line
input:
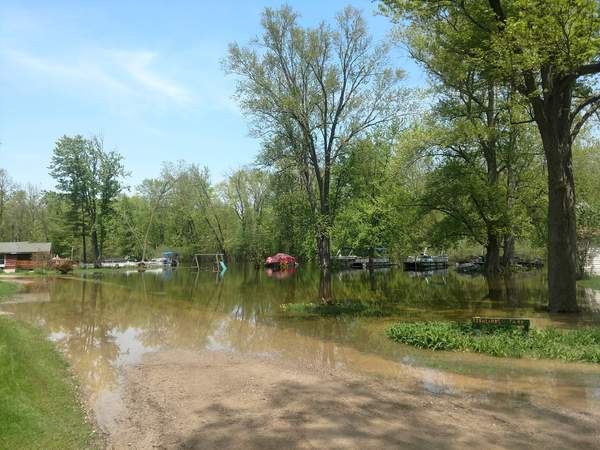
<point x="144" y="75"/>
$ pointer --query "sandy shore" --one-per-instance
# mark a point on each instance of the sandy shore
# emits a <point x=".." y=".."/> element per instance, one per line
<point x="210" y="400"/>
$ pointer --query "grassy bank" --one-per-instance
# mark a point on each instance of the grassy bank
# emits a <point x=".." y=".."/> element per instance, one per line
<point x="593" y="283"/>
<point x="38" y="401"/>
<point x="568" y="345"/>
<point x="27" y="273"/>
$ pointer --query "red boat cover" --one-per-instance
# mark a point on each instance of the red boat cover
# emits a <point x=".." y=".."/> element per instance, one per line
<point x="279" y="258"/>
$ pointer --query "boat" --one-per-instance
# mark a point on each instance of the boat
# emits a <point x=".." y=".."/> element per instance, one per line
<point x="170" y="258"/>
<point x="425" y="262"/>
<point x="281" y="261"/>
<point x="167" y="259"/>
<point x="378" y="259"/>
<point x="118" y="263"/>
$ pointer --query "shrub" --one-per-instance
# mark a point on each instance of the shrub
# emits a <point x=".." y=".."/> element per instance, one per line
<point x="63" y="266"/>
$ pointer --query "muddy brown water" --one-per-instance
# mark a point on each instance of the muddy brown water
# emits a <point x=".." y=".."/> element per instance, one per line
<point x="106" y="322"/>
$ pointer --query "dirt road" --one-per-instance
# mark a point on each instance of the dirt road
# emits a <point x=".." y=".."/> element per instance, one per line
<point x="213" y="400"/>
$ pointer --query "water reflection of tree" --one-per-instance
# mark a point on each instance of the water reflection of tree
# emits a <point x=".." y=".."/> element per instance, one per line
<point x="75" y="319"/>
<point x="242" y="312"/>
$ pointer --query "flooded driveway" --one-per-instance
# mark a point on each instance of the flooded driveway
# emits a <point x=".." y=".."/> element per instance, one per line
<point x="198" y="360"/>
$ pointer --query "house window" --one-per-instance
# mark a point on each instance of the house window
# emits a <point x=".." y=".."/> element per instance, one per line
<point x="1" y="260"/>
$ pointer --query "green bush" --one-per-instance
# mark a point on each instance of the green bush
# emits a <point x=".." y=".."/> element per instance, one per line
<point x="569" y="345"/>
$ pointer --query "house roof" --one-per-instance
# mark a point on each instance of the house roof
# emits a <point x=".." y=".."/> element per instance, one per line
<point x="25" y="247"/>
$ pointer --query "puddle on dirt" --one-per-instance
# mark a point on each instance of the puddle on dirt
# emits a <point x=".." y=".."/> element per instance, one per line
<point x="107" y="321"/>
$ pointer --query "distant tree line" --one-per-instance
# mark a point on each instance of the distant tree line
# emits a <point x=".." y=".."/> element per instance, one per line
<point x="397" y="195"/>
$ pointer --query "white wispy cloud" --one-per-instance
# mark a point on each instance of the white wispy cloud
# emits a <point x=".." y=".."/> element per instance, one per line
<point x="139" y="67"/>
<point x="130" y="73"/>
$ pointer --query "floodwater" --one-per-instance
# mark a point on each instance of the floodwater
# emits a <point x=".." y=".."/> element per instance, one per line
<point x="106" y="321"/>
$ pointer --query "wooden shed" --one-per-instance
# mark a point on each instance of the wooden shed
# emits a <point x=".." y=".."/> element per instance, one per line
<point x="24" y="255"/>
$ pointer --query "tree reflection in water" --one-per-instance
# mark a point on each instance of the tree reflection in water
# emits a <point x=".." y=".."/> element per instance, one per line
<point x="104" y="323"/>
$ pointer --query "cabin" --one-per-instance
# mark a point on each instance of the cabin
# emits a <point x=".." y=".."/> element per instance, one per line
<point x="24" y="255"/>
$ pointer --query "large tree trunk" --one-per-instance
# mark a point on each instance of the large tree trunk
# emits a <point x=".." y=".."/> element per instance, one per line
<point x="562" y="232"/>
<point x="554" y="123"/>
<point x="83" y="232"/>
<point x="95" y="247"/>
<point x="145" y="244"/>
<point x="509" y="251"/>
<point x="325" y="291"/>
<point x="494" y="283"/>
<point x="492" y="254"/>
<point x="101" y="238"/>
<point x="510" y="286"/>
<point x="489" y="147"/>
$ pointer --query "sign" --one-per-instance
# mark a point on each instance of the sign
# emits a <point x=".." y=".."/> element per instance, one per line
<point x="501" y="322"/>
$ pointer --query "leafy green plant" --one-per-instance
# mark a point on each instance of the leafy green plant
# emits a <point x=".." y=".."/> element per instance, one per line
<point x="569" y="345"/>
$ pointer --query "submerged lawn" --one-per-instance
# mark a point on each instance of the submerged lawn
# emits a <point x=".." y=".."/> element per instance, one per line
<point x="7" y="289"/>
<point x="568" y="345"/>
<point x="38" y="402"/>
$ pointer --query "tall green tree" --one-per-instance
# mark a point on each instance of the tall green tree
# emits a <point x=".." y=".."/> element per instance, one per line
<point x="248" y="192"/>
<point x="61" y="230"/>
<point x="155" y="191"/>
<point x="480" y="167"/>
<point x="91" y="177"/>
<point x="550" y="52"/>
<point x="310" y="93"/>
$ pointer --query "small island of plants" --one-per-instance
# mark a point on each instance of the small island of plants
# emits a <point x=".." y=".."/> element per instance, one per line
<point x="551" y="343"/>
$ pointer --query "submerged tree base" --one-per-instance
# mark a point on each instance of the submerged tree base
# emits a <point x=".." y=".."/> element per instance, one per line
<point x="513" y="342"/>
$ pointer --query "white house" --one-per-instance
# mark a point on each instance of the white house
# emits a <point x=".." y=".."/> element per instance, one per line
<point x="593" y="262"/>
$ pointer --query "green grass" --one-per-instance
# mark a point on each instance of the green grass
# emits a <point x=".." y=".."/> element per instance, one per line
<point x="38" y="401"/>
<point x="7" y="289"/>
<point x="569" y="345"/>
<point x="593" y="282"/>
<point x="27" y="273"/>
